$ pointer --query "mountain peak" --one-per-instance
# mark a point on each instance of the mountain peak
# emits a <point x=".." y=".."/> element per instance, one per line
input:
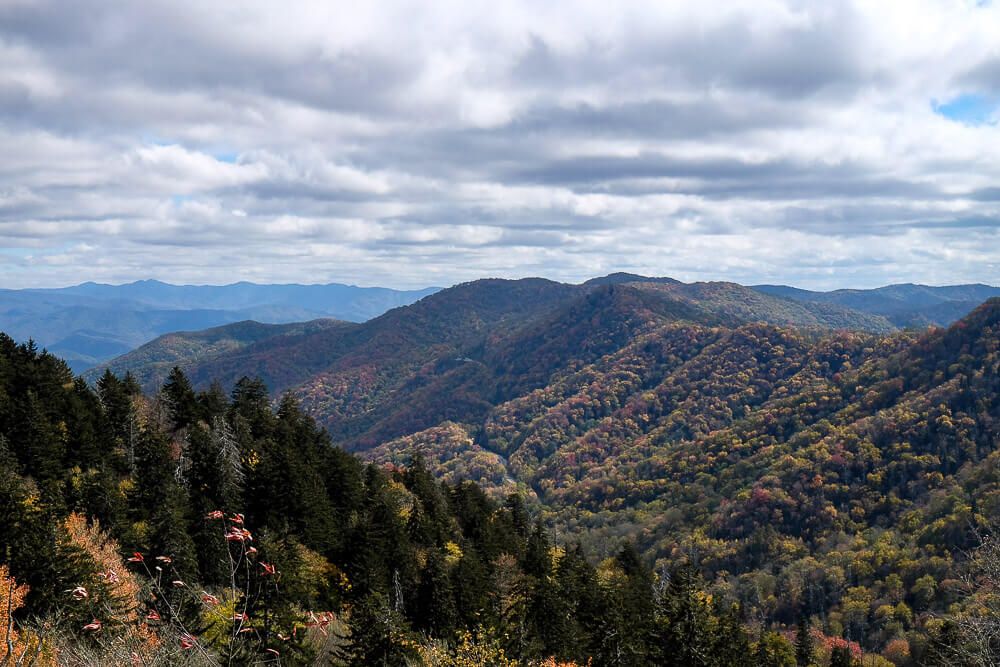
<point x="622" y="277"/>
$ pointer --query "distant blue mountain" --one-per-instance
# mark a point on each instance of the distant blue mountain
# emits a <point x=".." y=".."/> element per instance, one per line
<point x="906" y="305"/>
<point x="92" y="322"/>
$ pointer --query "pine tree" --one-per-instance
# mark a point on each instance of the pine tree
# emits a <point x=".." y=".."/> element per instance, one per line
<point x="161" y="505"/>
<point x="181" y="399"/>
<point x="434" y="603"/>
<point x="121" y="423"/>
<point x="251" y="403"/>
<point x="685" y="634"/>
<point x="628" y="636"/>
<point x="206" y="487"/>
<point x="803" y="643"/>
<point x="731" y="646"/>
<point x="585" y="605"/>
<point x="379" y="634"/>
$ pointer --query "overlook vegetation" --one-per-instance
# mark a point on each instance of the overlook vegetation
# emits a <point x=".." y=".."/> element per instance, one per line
<point x="655" y="472"/>
<point x="122" y="543"/>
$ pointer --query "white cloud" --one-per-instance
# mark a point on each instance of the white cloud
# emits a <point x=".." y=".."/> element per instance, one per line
<point x="411" y="143"/>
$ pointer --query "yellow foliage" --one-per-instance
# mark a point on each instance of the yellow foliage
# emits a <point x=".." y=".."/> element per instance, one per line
<point x="453" y="554"/>
<point x="556" y="553"/>
<point x="252" y="459"/>
<point x="17" y="646"/>
<point x="218" y="619"/>
<point x="122" y="585"/>
<point x="472" y="650"/>
<point x="316" y="569"/>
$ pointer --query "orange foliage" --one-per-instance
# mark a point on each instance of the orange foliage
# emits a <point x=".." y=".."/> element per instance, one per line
<point x="16" y="645"/>
<point x="121" y="588"/>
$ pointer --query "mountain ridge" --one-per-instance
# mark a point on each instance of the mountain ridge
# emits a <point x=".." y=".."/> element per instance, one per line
<point x="481" y="343"/>
<point x="801" y="468"/>
<point x="91" y="323"/>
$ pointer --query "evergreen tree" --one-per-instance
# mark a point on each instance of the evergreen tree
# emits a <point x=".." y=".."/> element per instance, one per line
<point x="685" y="632"/>
<point x="207" y="489"/>
<point x="251" y="403"/>
<point x="585" y="605"/>
<point x="803" y="643"/>
<point x="161" y="506"/>
<point x="628" y="636"/>
<point x="379" y="634"/>
<point x="181" y="399"/>
<point x="434" y="609"/>
<point x="731" y="646"/>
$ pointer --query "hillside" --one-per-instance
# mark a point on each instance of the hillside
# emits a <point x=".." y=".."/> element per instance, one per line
<point x="92" y="323"/>
<point x="479" y="343"/>
<point x="799" y="466"/>
<point x="202" y="530"/>
<point x="152" y="362"/>
<point x="836" y="472"/>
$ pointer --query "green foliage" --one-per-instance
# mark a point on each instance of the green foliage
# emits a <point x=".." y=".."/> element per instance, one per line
<point x="771" y="475"/>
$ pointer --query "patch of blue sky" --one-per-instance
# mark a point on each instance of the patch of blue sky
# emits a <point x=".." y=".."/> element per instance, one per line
<point x="14" y="252"/>
<point x="969" y="109"/>
<point x="152" y="139"/>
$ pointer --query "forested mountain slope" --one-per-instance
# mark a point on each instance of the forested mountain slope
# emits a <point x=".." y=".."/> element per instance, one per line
<point x="479" y="343"/>
<point x="195" y="528"/>
<point x="844" y="473"/>
<point x="151" y="363"/>
<point x="804" y="471"/>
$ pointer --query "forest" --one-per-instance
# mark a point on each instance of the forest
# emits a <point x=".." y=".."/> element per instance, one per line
<point x="682" y="493"/>
<point x="196" y="528"/>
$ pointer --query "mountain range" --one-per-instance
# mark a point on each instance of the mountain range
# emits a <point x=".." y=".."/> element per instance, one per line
<point x="709" y="419"/>
<point x="91" y="323"/>
<point x="459" y="321"/>
<point x="906" y="305"/>
<point x="829" y="456"/>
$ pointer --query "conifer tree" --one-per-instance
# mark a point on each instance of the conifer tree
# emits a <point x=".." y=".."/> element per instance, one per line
<point x="803" y="643"/>
<point x="379" y="634"/>
<point x="585" y="605"/>
<point x="629" y="632"/>
<point x="434" y="602"/>
<point x="181" y="399"/>
<point x="162" y="505"/>
<point x="685" y="632"/>
<point x="731" y="645"/>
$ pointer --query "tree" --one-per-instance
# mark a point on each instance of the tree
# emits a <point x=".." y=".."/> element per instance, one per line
<point x="840" y="656"/>
<point x="803" y="643"/>
<point x="773" y="650"/>
<point x="182" y="402"/>
<point x="379" y="634"/>
<point x="731" y="647"/>
<point x="684" y="626"/>
<point x="434" y="603"/>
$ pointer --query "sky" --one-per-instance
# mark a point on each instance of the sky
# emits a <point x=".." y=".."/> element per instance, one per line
<point x="821" y="144"/>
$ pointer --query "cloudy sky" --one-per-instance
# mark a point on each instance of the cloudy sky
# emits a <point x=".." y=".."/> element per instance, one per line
<point x="823" y="144"/>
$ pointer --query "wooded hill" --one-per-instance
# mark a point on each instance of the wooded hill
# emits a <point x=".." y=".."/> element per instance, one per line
<point x="804" y="458"/>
